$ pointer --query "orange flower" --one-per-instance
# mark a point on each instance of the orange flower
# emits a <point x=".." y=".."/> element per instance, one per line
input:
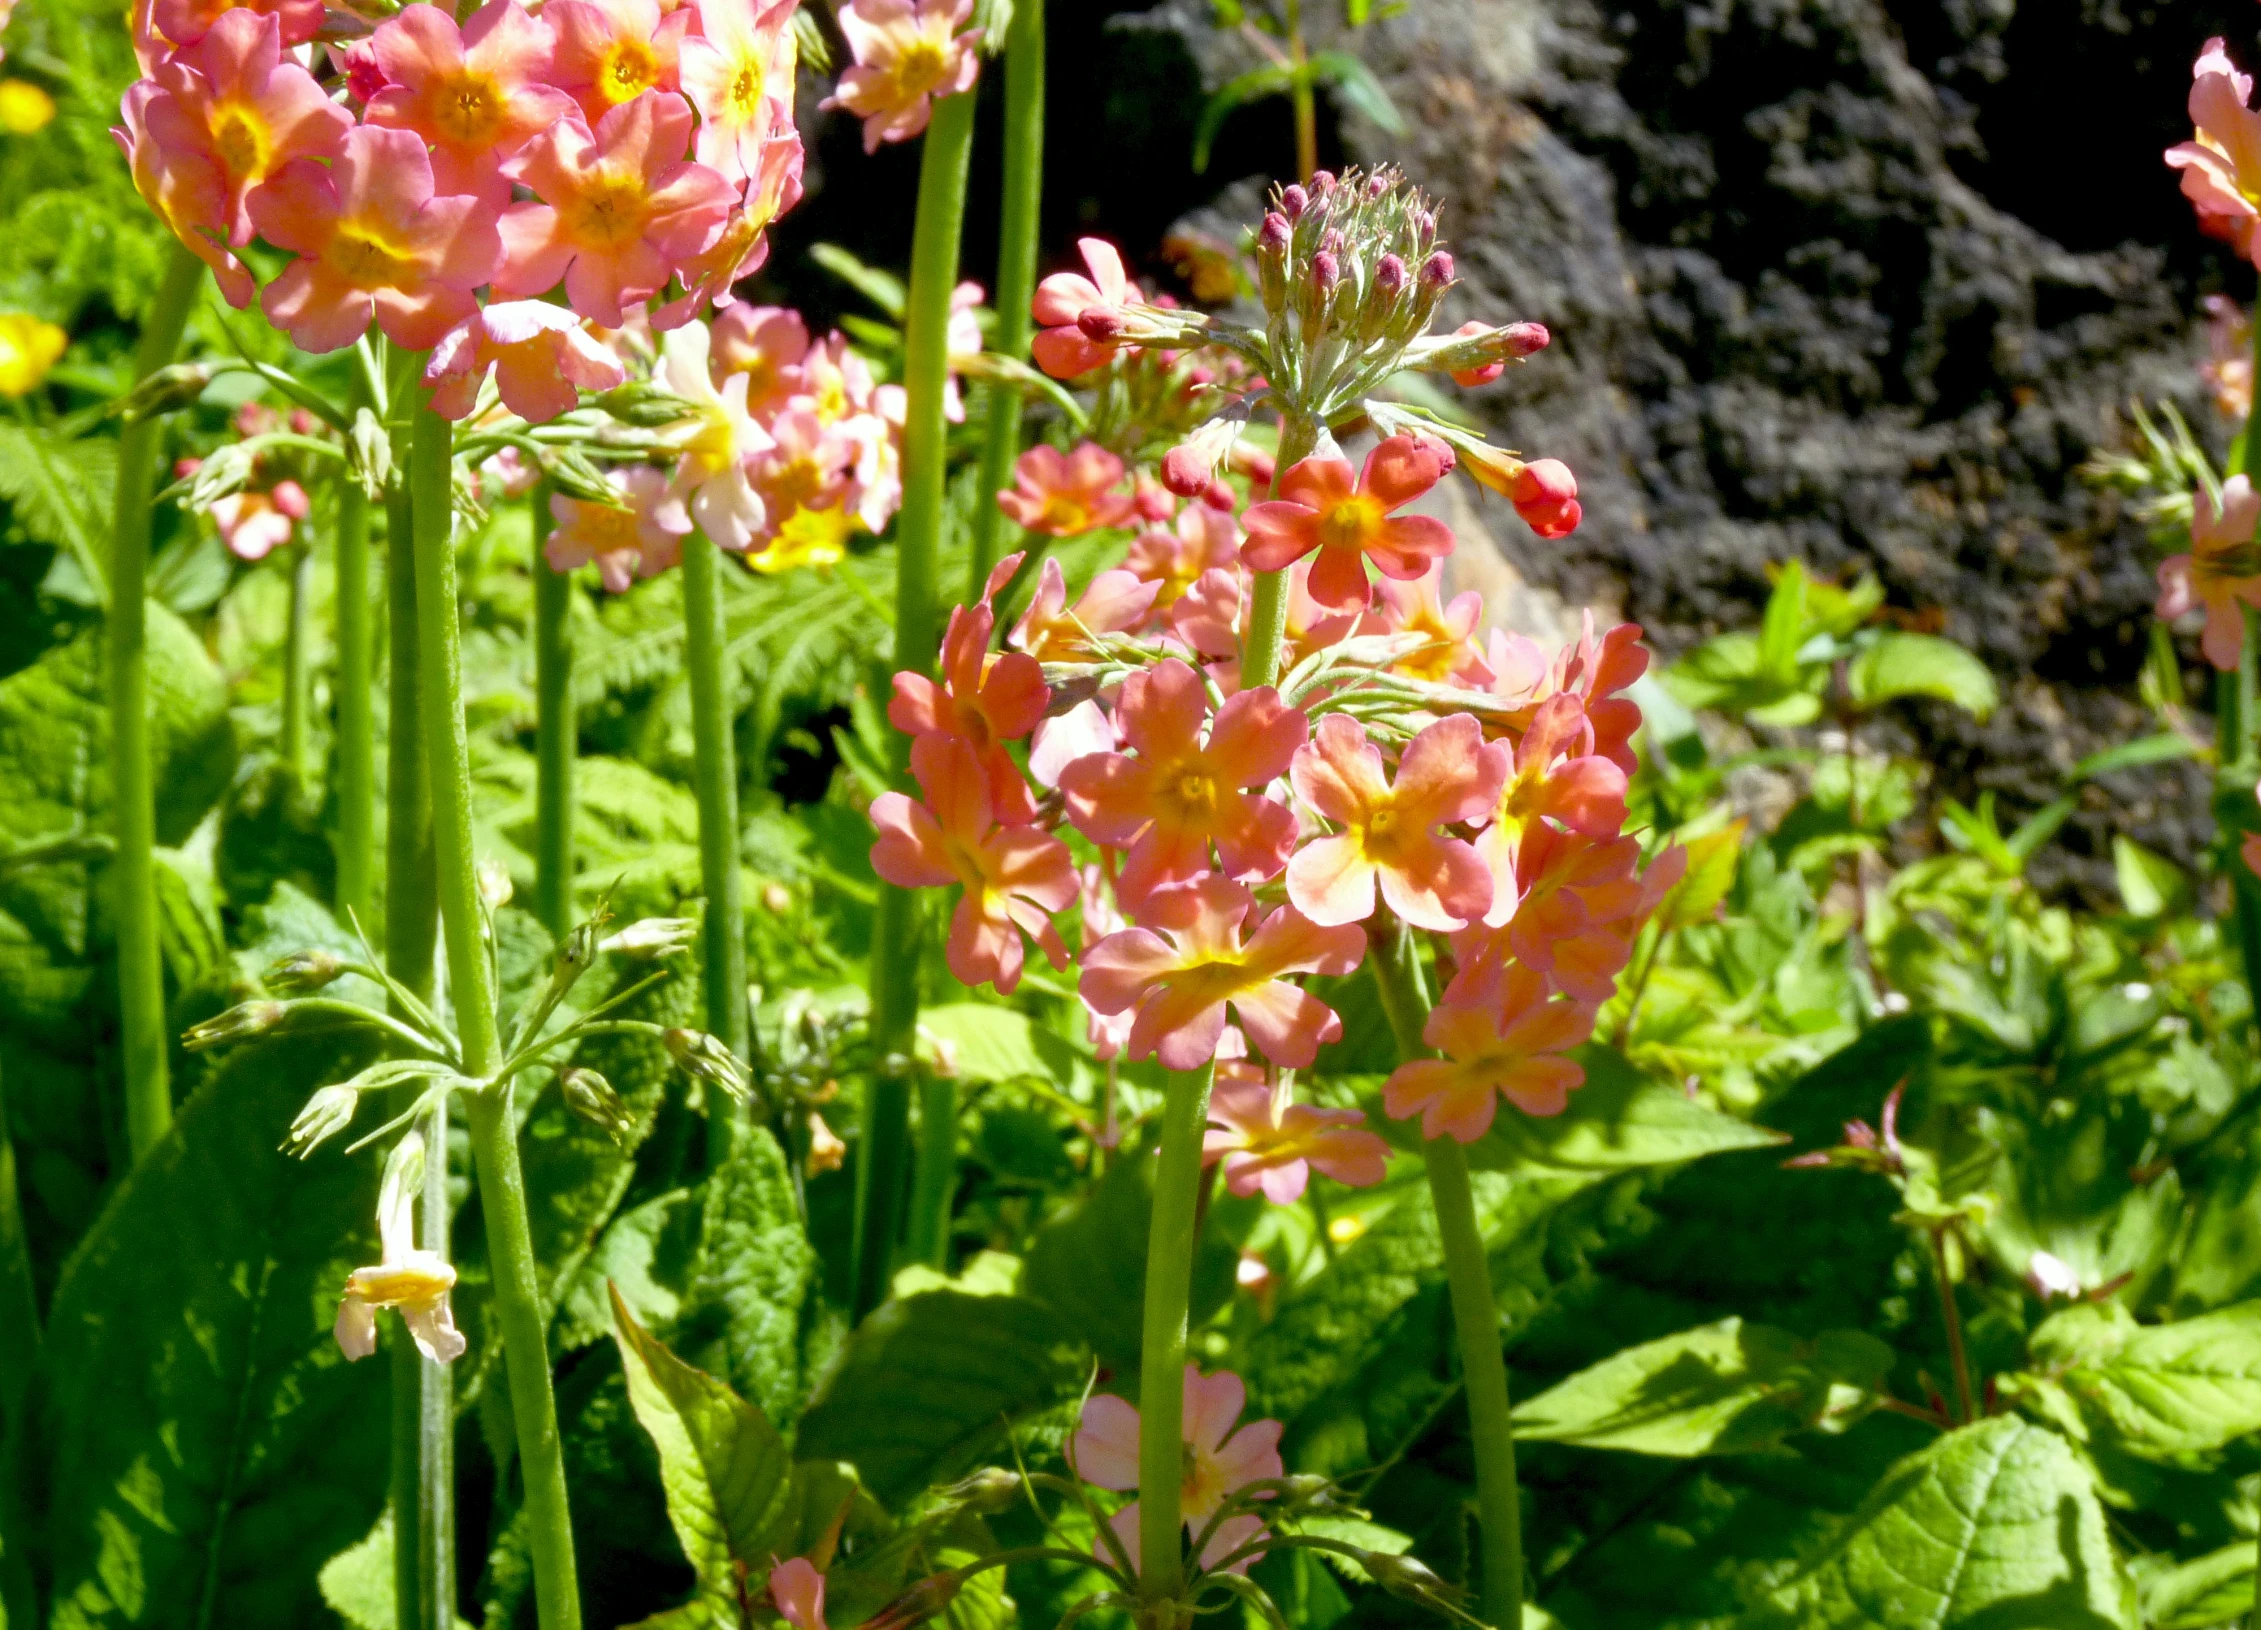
<point x="1511" y="1049"/>
<point x="984" y="700"/>
<point x="1322" y="506"/>
<point x="478" y="94"/>
<point x="1066" y="495"/>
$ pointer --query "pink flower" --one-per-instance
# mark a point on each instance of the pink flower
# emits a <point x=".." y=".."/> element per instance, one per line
<point x="620" y="210"/>
<point x="1322" y="507"/>
<point x="1181" y="794"/>
<point x="1014" y="877"/>
<point x="1066" y="495"/>
<point x="738" y="72"/>
<point x="1207" y="617"/>
<point x="2221" y="165"/>
<point x="1062" y="738"/>
<point x="805" y="468"/>
<point x="1544" y="493"/>
<point x="1579" y="903"/>
<point x="642" y="539"/>
<point x="984" y="700"/>
<point x="541" y="356"/>
<point x="1592" y="670"/>
<point x="478" y="95"/>
<point x="1064" y="349"/>
<point x="1417" y="607"/>
<point x="1391" y="831"/>
<point x="907" y="53"/>
<point x="741" y="248"/>
<point x="1051" y="632"/>
<point x="1556" y="779"/>
<point x="798" y="1590"/>
<point x="766" y="344"/>
<point x="184" y="22"/>
<point x="718" y="442"/>
<point x="2222" y="572"/>
<point x="372" y="240"/>
<point x="1271" y="1146"/>
<point x="1511" y="1049"/>
<point x="1180" y="973"/>
<point x="612" y="51"/>
<point x="1174" y="557"/>
<point x="1219" y="1461"/>
<point x="255" y="524"/>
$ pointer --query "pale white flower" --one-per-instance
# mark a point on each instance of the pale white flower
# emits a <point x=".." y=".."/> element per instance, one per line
<point x="719" y="439"/>
<point x="415" y="1283"/>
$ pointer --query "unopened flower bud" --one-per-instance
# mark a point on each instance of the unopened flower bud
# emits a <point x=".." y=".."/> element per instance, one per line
<point x="928" y="1599"/>
<point x="1377" y="184"/>
<point x="777" y="899"/>
<point x="1483" y="373"/>
<point x="826" y="1152"/>
<point x="1436" y="272"/>
<point x="1325" y="273"/>
<point x="301" y="972"/>
<point x="1403" y="1575"/>
<point x="1440" y="450"/>
<point x="326" y="1114"/>
<point x="244" y="1019"/>
<point x="1390" y="275"/>
<point x="1101" y="324"/>
<point x="701" y="1055"/>
<point x="1293" y="201"/>
<point x="1526" y="339"/>
<point x="1188" y="468"/>
<point x="991" y="1489"/>
<point x="1272" y="237"/>
<point x="1307" y="1489"/>
<point x="1221" y="497"/>
<point x="166" y="389"/>
<point x="590" y="1096"/>
<point x="289" y="498"/>
<point x="653" y="937"/>
<point x="494" y="884"/>
<point x="1322" y="183"/>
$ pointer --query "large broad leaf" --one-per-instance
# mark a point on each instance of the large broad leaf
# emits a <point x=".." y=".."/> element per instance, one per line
<point x="1725" y="1388"/>
<point x="750" y="1287"/>
<point x="203" y="1444"/>
<point x="1993" y="1527"/>
<point x="724" y="1467"/>
<point x="2160" y="1392"/>
<point x="927" y="1384"/>
<point x="1921" y="665"/>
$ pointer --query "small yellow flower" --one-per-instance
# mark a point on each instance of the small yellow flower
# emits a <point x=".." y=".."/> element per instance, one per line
<point x="28" y="348"/>
<point x="809" y="537"/>
<point x="24" y="107"/>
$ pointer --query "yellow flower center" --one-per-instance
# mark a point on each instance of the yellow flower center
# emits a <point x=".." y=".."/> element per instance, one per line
<point x="713" y="447"/>
<point x="609" y="213"/>
<point x="1350" y="524"/>
<point x="798" y="480"/>
<point x="368" y="262"/>
<point x="1191" y="795"/>
<point x="422" y="1278"/>
<point x="468" y="108"/>
<point x="744" y="98"/>
<point x="808" y="537"/>
<point x="239" y="136"/>
<point x="1065" y="515"/>
<point x="608" y="530"/>
<point x="921" y="67"/>
<point x="1383" y="835"/>
<point x="831" y="399"/>
<point x="630" y="68"/>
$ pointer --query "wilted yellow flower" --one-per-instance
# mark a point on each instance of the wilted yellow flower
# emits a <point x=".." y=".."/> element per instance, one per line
<point x="809" y="537"/>
<point x="28" y="348"/>
<point x="24" y="107"/>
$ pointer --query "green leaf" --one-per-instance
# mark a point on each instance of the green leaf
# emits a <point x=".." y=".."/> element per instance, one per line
<point x="357" y="1583"/>
<point x="1273" y="79"/>
<point x="926" y="1385"/>
<point x="1725" y="1388"/>
<point x="1357" y="89"/>
<point x="750" y="1286"/>
<point x="1995" y="1525"/>
<point x="1921" y="665"/>
<point x="2159" y="1391"/>
<point x="1088" y="1264"/>
<point x="992" y="1043"/>
<point x="723" y="1466"/>
<point x="208" y="1444"/>
<point x="2163" y="748"/>
<point x="2151" y="885"/>
<point x="1728" y="673"/>
<point x="882" y="289"/>
<point x="1782" y="631"/>
<point x="2215" y="1589"/>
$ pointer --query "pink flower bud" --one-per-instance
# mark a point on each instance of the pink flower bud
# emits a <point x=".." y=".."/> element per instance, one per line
<point x="1377" y="184"/>
<point x="1389" y="275"/>
<point x="1439" y="450"/>
<point x="185" y="467"/>
<point x="1219" y="496"/>
<point x="1484" y="372"/>
<point x="1524" y="339"/>
<point x="1332" y="241"/>
<point x="1325" y="274"/>
<point x="290" y="498"/>
<point x="1322" y="183"/>
<point x="1293" y="201"/>
<point x="1272" y="236"/>
<point x="1101" y="323"/>
<point x="1545" y="494"/>
<point x="1436" y="271"/>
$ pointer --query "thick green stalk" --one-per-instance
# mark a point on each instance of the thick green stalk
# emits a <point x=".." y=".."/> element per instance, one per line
<point x="494" y="1132"/>
<point x="1016" y="274"/>
<point x="1475" y="1313"/>
<point x="934" y="1184"/>
<point x="715" y="777"/>
<point x="1161" y="1363"/>
<point x="298" y="668"/>
<point x="883" y="1161"/>
<point x="133" y="870"/>
<point x="435" y="1414"/>
<point x="555" y="727"/>
<point x="356" y="710"/>
<point x="19" y="1301"/>
<point x="1262" y="640"/>
<point x="412" y="903"/>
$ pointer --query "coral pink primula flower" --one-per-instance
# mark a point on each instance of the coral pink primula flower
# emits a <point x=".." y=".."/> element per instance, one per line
<point x="542" y="357"/>
<point x="1015" y="877"/>
<point x="1219" y="1462"/>
<point x="797" y="1588"/>
<point x="1511" y="1049"/>
<point x="2221" y="165"/>
<point x="1417" y="607"/>
<point x="372" y="240"/>
<point x="1579" y="904"/>
<point x="1180" y="973"/>
<point x="1181" y="794"/>
<point x="806" y="468"/>
<point x="478" y="95"/>
<point x="1322" y="506"/>
<point x="2222" y="572"/>
<point x="984" y="700"/>
<point x="1272" y="1147"/>
<point x="1590" y="669"/>
<point x="1064" y="495"/>
<point x="642" y="539"/>
<point x="1390" y="832"/>
<point x="741" y="248"/>
<point x="1174" y="557"/>
<point x="612" y="51"/>
<point x="255" y="524"/>
<point x="766" y="344"/>
<point x="1544" y="492"/>
<point x="1063" y="349"/>
<point x="1556" y="779"/>
<point x="1051" y="631"/>
<point x="184" y="22"/>
<point x="738" y="72"/>
<point x="620" y="211"/>
<point x="907" y="52"/>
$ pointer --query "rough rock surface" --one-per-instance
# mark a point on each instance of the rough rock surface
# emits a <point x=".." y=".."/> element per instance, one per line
<point x="1839" y="281"/>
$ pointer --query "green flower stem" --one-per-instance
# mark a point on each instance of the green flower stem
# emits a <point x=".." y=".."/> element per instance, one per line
<point x="883" y="1162"/>
<point x="1265" y="634"/>
<point x="934" y="1183"/>
<point x="298" y="668"/>
<point x="1475" y="1314"/>
<point x="412" y="902"/>
<point x="494" y="1131"/>
<point x="19" y="1300"/>
<point x="715" y="775"/>
<point x="133" y="870"/>
<point x="435" y="1422"/>
<point x="555" y="726"/>
<point x="356" y="710"/>
<point x="1016" y="274"/>
<point x="1161" y="1363"/>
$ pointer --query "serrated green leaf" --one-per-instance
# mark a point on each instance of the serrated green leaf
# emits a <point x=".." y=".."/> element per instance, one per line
<point x="750" y="1286"/>
<point x="200" y="1424"/>
<point x="1921" y="665"/>
<point x="1725" y="1388"/>
<point x="882" y="289"/>
<point x="927" y="1385"/>
<point x="2207" y="1591"/>
<point x="2160" y="1391"/>
<point x="1997" y="1524"/>
<point x="723" y="1466"/>
<point x="1713" y="860"/>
